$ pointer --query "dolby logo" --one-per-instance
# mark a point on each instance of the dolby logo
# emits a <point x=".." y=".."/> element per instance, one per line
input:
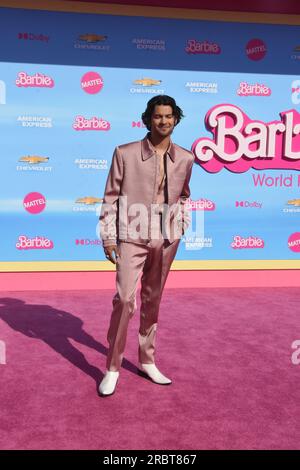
<point x="87" y="241"/>
<point x="248" y="204"/>
<point x="139" y="124"/>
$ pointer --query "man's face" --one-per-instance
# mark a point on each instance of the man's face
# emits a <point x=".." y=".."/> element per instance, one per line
<point x="163" y="120"/>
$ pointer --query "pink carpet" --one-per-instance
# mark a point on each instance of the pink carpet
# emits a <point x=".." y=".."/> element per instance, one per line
<point x="228" y="352"/>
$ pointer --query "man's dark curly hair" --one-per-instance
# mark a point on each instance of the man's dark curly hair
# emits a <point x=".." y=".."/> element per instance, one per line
<point x="157" y="101"/>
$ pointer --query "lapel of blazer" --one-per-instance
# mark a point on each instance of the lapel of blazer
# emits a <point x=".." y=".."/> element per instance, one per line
<point x="147" y="152"/>
<point x="147" y="149"/>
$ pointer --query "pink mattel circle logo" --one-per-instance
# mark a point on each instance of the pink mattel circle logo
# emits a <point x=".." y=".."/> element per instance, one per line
<point x="34" y="203"/>
<point x="256" y="49"/>
<point x="92" y="82"/>
<point x="294" y="242"/>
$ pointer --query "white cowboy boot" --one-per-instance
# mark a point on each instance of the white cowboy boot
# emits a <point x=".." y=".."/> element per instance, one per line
<point x="109" y="382"/>
<point x="155" y="375"/>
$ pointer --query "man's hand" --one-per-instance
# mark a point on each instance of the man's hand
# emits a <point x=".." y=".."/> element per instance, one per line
<point x="111" y="253"/>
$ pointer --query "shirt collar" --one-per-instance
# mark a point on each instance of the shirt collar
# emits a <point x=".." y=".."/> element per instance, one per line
<point x="148" y="149"/>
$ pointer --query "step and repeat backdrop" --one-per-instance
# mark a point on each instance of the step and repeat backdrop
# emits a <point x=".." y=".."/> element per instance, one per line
<point x="74" y="85"/>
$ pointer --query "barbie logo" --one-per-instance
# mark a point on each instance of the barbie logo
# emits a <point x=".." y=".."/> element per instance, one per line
<point x="93" y="124"/>
<point x="256" y="49"/>
<point x="239" y="143"/>
<point x="200" y="205"/>
<point x="249" y="242"/>
<point x="294" y="242"/>
<point x="204" y="47"/>
<point x="38" y="80"/>
<point x="246" y="89"/>
<point x="36" y="243"/>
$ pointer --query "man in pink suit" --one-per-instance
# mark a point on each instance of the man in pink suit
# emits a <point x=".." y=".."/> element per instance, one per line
<point x="142" y="219"/>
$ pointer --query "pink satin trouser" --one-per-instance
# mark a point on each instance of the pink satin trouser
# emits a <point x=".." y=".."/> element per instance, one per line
<point x="153" y="261"/>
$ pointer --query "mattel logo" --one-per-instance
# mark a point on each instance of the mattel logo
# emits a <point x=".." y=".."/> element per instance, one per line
<point x="38" y="80"/>
<point x="249" y="242"/>
<point x="91" y="83"/>
<point x="36" y="243"/>
<point x="200" y="205"/>
<point x="138" y="124"/>
<point x="94" y="124"/>
<point x="34" y="203"/>
<point x="87" y="242"/>
<point x="246" y="204"/>
<point x="204" y="47"/>
<point x="294" y="242"/>
<point x="256" y="49"/>
<point x="33" y="37"/>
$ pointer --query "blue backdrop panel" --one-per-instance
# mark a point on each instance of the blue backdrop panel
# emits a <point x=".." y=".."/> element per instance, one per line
<point x="59" y="173"/>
